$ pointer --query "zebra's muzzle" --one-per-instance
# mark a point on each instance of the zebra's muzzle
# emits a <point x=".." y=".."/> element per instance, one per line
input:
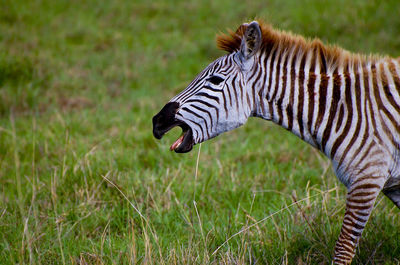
<point x="165" y="120"/>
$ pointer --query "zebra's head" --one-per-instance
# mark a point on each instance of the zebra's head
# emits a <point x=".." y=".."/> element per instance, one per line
<point x="217" y="100"/>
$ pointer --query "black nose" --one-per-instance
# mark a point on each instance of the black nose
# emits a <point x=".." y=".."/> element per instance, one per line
<point x="165" y="119"/>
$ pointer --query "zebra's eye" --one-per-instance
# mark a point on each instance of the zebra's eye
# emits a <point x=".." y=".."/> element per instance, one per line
<point x="215" y="80"/>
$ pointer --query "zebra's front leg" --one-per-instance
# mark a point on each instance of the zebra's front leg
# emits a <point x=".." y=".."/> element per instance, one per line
<point x="360" y="201"/>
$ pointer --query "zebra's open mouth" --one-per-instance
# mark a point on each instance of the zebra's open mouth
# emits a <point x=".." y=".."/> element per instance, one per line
<point x="185" y="142"/>
<point x="161" y="126"/>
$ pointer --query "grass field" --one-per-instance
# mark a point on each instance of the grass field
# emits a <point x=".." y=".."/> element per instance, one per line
<point x="83" y="181"/>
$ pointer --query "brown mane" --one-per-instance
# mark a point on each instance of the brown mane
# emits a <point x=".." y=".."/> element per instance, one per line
<point x="330" y="57"/>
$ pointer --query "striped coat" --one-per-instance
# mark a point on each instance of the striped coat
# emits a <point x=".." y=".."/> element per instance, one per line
<point x="346" y="105"/>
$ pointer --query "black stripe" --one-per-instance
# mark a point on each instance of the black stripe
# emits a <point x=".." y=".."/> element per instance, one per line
<point x="359" y="117"/>
<point x="323" y="65"/>
<point x="366" y="130"/>
<point x="230" y="96"/>
<point x="323" y="91"/>
<point x="207" y="96"/>
<point x="277" y="76"/>
<point x="380" y="104"/>
<point x="340" y="118"/>
<point x="213" y="89"/>
<point x="205" y="111"/>
<point x="253" y="86"/>
<point x="260" y="92"/>
<point x="271" y="68"/>
<point x="349" y="106"/>
<point x="311" y="96"/>
<point x="289" y="110"/>
<point x="389" y="95"/>
<point x="200" y="117"/>
<point x="278" y="80"/>
<point x="225" y="106"/>
<point x="300" y="105"/>
<point x="235" y="92"/>
<point x="205" y="103"/>
<point x="332" y="112"/>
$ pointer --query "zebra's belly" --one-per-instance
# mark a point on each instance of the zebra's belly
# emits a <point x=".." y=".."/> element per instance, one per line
<point x="392" y="182"/>
<point x="394" y="171"/>
<point x="394" y="176"/>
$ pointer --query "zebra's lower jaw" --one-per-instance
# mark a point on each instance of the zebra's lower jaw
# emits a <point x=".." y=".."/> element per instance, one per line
<point x="185" y="142"/>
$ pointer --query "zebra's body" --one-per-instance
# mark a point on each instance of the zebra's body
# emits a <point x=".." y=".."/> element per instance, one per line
<point x="332" y="111"/>
<point x="347" y="106"/>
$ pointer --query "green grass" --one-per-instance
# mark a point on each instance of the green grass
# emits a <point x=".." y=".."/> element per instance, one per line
<point x="79" y="84"/>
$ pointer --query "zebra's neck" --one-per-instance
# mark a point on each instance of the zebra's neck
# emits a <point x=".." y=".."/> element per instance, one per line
<point x="300" y="92"/>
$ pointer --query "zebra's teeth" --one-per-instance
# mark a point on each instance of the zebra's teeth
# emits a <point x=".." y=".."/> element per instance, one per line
<point x="177" y="143"/>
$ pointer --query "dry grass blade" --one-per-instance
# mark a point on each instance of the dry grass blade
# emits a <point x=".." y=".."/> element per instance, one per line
<point x="269" y="216"/>
<point x="123" y="195"/>
<point x="196" y="172"/>
<point x="140" y="214"/>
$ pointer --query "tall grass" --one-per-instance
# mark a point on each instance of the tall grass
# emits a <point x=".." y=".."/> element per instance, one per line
<point x="83" y="181"/>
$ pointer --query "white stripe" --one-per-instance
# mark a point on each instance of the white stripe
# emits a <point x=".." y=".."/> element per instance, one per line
<point x="316" y="95"/>
<point x="286" y="90"/>
<point x="306" y="106"/>
<point x="296" y="126"/>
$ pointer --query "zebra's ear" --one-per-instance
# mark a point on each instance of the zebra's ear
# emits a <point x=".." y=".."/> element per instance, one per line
<point x="251" y="41"/>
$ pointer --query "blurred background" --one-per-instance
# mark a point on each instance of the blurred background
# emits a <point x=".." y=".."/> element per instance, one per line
<point x="83" y="181"/>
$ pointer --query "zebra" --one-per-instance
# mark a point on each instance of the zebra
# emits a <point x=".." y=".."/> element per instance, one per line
<point x="344" y="104"/>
